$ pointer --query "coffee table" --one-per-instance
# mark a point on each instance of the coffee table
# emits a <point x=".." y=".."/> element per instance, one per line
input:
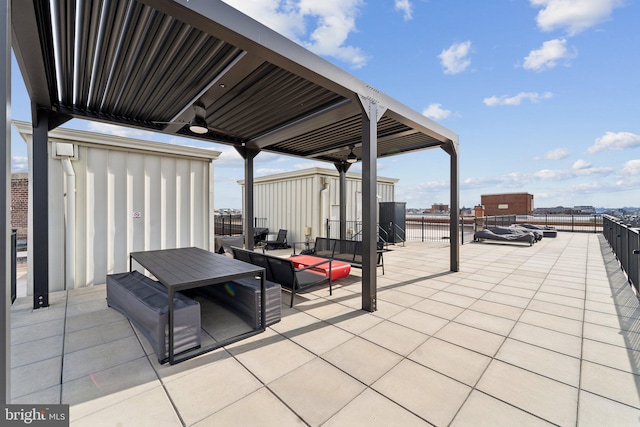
<point x="338" y="269"/>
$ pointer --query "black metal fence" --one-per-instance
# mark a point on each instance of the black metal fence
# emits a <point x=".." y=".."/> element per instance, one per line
<point x="435" y="228"/>
<point x="14" y="261"/>
<point x="573" y="223"/>
<point x="625" y="243"/>
<point x="232" y="225"/>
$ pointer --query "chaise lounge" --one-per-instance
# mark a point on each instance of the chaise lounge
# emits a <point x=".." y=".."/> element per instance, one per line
<point x="503" y="234"/>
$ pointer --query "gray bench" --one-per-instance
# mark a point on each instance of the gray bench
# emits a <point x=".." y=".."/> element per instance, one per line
<point x="243" y="297"/>
<point x="283" y="272"/>
<point x="145" y="303"/>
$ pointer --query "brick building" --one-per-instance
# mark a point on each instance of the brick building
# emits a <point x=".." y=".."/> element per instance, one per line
<point x="507" y="204"/>
<point x="20" y="204"/>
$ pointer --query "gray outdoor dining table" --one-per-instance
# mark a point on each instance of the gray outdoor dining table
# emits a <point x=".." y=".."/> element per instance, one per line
<point x="188" y="268"/>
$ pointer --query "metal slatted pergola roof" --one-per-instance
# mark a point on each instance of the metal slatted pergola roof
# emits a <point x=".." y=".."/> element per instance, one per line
<point x="158" y="64"/>
<point x="147" y="63"/>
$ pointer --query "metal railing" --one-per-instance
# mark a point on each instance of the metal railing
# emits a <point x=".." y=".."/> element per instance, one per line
<point x="435" y="228"/>
<point x="233" y="225"/>
<point x="14" y="261"/>
<point x="573" y="223"/>
<point x="625" y="244"/>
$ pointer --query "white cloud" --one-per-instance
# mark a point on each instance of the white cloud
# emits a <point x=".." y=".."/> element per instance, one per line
<point x="615" y="141"/>
<point x="548" y="55"/>
<point x="632" y="167"/>
<point x="509" y="180"/>
<point x="573" y="15"/>
<point x="19" y="164"/>
<point x="562" y="174"/>
<point x="455" y="59"/>
<point x="521" y="180"/>
<point x="436" y="112"/>
<point x="268" y="171"/>
<point x="321" y="26"/>
<point x="581" y="164"/>
<point x="309" y="165"/>
<point x="110" y="129"/>
<point x="405" y="7"/>
<point x="557" y="154"/>
<point x="534" y="97"/>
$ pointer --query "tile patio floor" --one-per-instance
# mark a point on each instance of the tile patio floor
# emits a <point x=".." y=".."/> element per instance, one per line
<point x="521" y="336"/>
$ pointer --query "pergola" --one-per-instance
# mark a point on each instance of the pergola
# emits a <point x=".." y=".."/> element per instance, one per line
<point x="166" y="65"/>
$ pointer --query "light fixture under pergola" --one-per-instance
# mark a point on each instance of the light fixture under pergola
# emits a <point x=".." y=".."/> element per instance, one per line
<point x="351" y="158"/>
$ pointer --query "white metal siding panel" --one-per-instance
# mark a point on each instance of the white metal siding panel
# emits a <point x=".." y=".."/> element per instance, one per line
<point x="170" y="194"/>
<point x="56" y="225"/>
<point x="183" y="201"/>
<point x="80" y="169"/>
<point x="117" y="218"/>
<point x="153" y="203"/>
<point x="294" y="203"/>
<point x="169" y="205"/>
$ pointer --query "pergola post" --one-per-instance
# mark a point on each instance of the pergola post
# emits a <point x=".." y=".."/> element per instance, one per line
<point x="40" y="232"/>
<point x="342" y="168"/>
<point x="248" y="155"/>
<point x="370" y="115"/>
<point x="454" y="222"/>
<point x="5" y="192"/>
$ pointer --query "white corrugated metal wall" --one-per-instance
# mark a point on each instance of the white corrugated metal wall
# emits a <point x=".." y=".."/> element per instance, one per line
<point x="288" y="204"/>
<point x="130" y="201"/>
<point x="127" y="199"/>
<point x="294" y="201"/>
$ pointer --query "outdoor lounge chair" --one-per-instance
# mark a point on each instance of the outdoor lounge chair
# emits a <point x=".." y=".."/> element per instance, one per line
<point x="503" y="234"/>
<point x="279" y="243"/>
<point x="546" y="230"/>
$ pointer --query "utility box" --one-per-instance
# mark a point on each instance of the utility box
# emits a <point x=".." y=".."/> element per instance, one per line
<point x="393" y="220"/>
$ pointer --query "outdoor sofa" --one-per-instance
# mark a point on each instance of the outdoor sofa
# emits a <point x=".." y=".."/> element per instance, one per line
<point x="283" y="271"/>
<point x="341" y="250"/>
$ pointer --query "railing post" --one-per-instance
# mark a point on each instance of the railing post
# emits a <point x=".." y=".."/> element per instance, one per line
<point x="422" y="228"/>
<point x="572" y="223"/>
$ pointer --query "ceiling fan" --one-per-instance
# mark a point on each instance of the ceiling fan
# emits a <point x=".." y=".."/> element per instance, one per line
<point x="198" y="124"/>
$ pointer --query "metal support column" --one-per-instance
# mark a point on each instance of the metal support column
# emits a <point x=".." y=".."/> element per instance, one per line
<point x="248" y="155"/>
<point x="370" y="116"/>
<point x="5" y="192"/>
<point x="343" y="167"/>
<point x="454" y="222"/>
<point x="40" y="232"/>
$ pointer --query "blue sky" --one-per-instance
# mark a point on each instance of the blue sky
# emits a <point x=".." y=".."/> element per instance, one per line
<point x="542" y="93"/>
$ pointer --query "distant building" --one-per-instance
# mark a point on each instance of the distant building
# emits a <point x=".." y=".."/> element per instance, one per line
<point x="562" y="210"/>
<point x="590" y="210"/>
<point x="20" y="204"/>
<point x="507" y="204"/>
<point x="439" y="208"/>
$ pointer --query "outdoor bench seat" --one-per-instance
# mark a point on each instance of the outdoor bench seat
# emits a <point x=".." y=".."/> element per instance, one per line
<point x="342" y="250"/>
<point x="145" y="303"/>
<point x="243" y="297"/>
<point x="283" y="271"/>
